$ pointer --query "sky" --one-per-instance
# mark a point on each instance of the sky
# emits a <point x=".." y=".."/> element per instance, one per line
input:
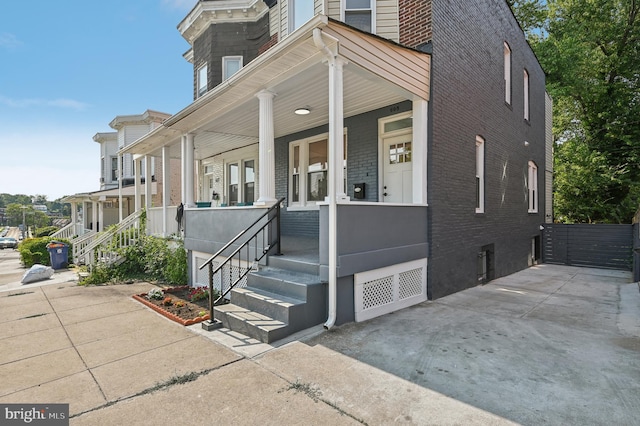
<point x="67" y="68"/>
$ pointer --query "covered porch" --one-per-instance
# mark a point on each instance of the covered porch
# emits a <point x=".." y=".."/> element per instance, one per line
<point x="316" y="120"/>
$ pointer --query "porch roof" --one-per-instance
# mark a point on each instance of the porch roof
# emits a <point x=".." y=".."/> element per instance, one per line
<point x="378" y="73"/>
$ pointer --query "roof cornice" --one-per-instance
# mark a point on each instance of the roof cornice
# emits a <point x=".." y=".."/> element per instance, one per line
<point x="207" y="12"/>
<point x="147" y="117"/>
<point x="105" y="136"/>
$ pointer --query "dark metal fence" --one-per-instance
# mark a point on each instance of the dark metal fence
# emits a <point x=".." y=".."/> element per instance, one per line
<point x="597" y="246"/>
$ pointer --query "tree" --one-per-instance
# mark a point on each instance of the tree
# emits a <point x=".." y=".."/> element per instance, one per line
<point x="590" y="52"/>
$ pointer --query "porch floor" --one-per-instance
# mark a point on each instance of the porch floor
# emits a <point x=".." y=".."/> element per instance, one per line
<point x="302" y="249"/>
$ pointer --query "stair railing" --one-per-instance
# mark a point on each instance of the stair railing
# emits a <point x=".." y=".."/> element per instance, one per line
<point x="80" y="243"/>
<point x="68" y="232"/>
<point x="103" y="248"/>
<point x="274" y="215"/>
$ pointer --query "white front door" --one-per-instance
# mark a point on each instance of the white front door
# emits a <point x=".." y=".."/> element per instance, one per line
<point x="397" y="169"/>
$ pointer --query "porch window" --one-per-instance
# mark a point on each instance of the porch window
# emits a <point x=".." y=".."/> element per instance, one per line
<point x="533" y="187"/>
<point x="249" y="181"/>
<point x="230" y="66"/>
<point x="241" y="182"/>
<point x="309" y="164"/>
<point x="301" y="11"/>
<point x="233" y="184"/>
<point x="359" y="14"/>
<point x="202" y="80"/>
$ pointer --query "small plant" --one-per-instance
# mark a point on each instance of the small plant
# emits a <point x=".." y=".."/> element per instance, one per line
<point x="198" y="293"/>
<point x="167" y="301"/>
<point x="155" y="294"/>
<point x="202" y="313"/>
<point x="179" y="304"/>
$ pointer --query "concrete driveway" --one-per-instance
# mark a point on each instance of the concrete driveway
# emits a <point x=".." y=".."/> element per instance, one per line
<point x="552" y="344"/>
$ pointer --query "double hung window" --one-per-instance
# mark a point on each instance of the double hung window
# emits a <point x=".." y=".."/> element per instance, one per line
<point x="359" y="14"/>
<point x="202" y="80"/>
<point x="230" y="66"/>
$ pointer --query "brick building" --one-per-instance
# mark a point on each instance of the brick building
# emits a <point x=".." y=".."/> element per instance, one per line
<point x="408" y="139"/>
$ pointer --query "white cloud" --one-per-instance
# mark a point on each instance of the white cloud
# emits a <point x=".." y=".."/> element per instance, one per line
<point x="56" y="103"/>
<point x="9" y="41"/>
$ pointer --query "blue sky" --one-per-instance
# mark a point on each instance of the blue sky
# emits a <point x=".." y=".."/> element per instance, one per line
<point x="67" y="68"/>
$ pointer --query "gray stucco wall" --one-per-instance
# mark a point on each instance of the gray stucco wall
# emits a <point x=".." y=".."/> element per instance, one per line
<point x="467" y="99"/>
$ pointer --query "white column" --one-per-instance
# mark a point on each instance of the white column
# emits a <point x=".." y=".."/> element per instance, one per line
<point x="147" y="182"/>
<point x="419" y="155"/>
<point x="266" y="172"/>
<point x="85" y="219"/>
<point x="183" y="173"/>
<point x="100" y="216"/>
<point x="120" y="216"/>
<point x="166" y="187"/>
<point x="94" y="215"/>
<point x="74" y="213"/>
<point x="137" y="168"/>
<point x="189" y="172"/>
<point x="336" y="130"/>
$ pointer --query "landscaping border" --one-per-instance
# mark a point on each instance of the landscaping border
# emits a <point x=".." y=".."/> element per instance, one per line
<point x="142" y="298"/>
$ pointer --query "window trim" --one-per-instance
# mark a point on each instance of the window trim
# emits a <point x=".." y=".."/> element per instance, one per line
<point x="291" y="12"/>
<point x="507" y="73"/>
<point x="532" y="187"/>
<point x="201" y="88"/>
<point x="225" y="59"/>
<point x="303" y="152"/>
<point x="372" y="9"/>
<point x="480" y="174"/>
<point x="526" y="94"/>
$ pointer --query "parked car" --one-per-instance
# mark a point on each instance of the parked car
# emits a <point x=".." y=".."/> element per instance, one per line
<point x="8" y="243"/>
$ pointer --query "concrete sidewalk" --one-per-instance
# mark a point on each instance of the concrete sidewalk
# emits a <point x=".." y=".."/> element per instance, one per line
<point x="552" y="344"/>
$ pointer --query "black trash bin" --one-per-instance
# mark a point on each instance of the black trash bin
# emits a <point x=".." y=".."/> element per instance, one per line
<point x="58" y="253"/>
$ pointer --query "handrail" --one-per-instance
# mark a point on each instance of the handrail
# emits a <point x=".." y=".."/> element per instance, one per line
<point x="229" y="260"/>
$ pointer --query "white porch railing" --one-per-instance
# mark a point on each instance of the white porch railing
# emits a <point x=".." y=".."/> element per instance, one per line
<point x="71" y="231"/>
<point x="154" y="221"/>
<point x="80" y="244"/>
<point x="103" y="249"/>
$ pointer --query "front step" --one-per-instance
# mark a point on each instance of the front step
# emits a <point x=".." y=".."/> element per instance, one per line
<point x="274" y="304"/>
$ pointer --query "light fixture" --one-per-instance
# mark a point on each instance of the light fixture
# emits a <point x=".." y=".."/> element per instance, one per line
<point x="302" y="111"/>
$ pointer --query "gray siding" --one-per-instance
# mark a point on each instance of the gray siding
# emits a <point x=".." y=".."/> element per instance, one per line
<point x="468" y="100"/>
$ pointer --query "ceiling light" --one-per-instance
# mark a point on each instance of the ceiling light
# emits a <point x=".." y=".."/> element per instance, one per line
<point x="303" y="111"/>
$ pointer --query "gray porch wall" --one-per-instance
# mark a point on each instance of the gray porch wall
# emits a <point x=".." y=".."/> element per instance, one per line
<point x="362" y="165"/>
<point x="371" y="237"/>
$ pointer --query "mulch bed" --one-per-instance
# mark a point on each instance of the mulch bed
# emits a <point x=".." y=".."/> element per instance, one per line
<point x="179" y="309"/>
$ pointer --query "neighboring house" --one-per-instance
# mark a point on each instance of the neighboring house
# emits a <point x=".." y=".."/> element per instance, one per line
<point x="116" y="199"/>
<point x="407" y="139"/>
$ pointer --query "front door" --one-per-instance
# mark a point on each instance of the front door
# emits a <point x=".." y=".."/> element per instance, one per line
<point x="397" y="169"/>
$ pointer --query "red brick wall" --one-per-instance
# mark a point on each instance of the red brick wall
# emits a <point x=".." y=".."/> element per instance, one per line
<point x="415" y="22"/>
<point x="272" y="42"/>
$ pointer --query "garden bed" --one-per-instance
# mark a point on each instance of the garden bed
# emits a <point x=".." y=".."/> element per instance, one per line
<point x="184" y="305"/>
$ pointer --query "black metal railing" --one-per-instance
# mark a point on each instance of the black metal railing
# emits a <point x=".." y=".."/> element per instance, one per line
<point x="246" y="249"/>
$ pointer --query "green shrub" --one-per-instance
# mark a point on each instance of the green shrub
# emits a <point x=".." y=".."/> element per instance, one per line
<point x="46" y="231"/>
<point x="34" y="250"/>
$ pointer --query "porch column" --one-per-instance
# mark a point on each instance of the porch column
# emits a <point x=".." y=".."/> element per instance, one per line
<point x="166" y="187"/>
<point x="85" y="219"/>
<point x="100" y="227"/>
<point x="266" y="171"/>
<point x="74" y="213"/>
<point x="419" y="156"/>
<point x="137" y="168"/>
<point x="183" y="174"/>
<point x="94" y="215"/>
<point x="120" y="172"/>
<point x="189" y="186"/>
<point x="147" y="182"/>
<point x="336" y="130"/>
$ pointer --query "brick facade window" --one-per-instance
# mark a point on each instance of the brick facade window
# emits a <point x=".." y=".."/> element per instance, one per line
<point x="507" y="73"/>
<point x="479" y="174"/>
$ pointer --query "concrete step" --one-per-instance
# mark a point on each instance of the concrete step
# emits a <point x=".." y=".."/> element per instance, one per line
<point x="276" y="306"/>
<point x="294" y="265"/>
<point x="252" y="324"/>
<point x="283" y="282"/>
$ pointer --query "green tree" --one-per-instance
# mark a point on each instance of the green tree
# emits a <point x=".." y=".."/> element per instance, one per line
<point x="590" y="52"/>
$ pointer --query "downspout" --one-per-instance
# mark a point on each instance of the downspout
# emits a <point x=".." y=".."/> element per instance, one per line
<point x="331" y="320"/>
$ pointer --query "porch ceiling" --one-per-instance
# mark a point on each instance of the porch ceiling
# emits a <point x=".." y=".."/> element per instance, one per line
<point x="296" y="71"/>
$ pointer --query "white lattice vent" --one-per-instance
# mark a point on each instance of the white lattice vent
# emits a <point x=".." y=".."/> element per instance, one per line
<point x="384" y="290"/>
<point x="221" y="280"/>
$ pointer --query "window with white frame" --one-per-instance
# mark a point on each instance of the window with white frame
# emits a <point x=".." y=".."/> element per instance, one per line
<point x="114" y="169"/>
<point x="359" y="14"/>
<point x="507" y="73"/>
<point x="230" y="66"/>
<point x="533" y="187"/>
<point x="202" y="80"/>
<point x="526" y="95"/>
<point x="479" y="174"/>
<point x="300" y="11"/>
<point x="308" y="167"/>
<point x="241" y="181"/>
